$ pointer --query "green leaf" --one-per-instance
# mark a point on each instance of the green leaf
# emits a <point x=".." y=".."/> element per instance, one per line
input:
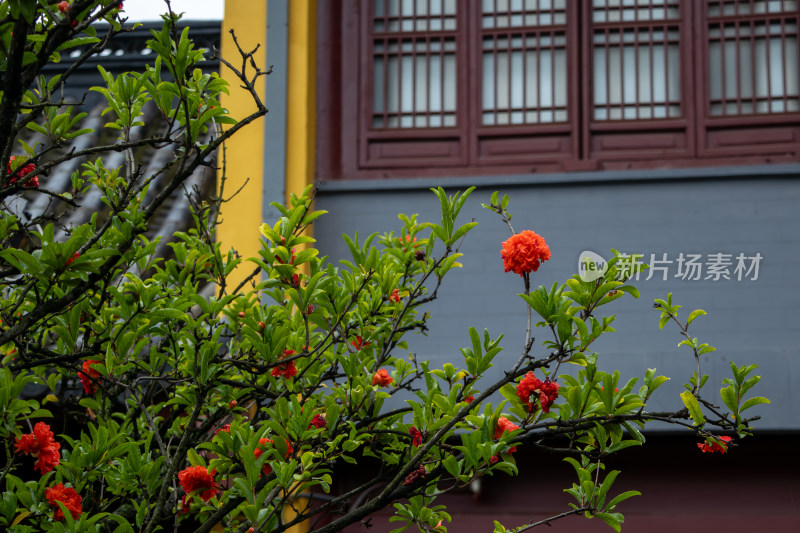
<point x="611" y="520"/>
<point x="693" y="406"/>
<point x="621" y="497"/>
<point x="753" y="402"/>
<point x="694" y="314"/>
<point x="729" y="397"/>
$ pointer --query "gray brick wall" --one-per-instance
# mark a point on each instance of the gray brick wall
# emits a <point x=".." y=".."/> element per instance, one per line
<point x="686" y="211"/>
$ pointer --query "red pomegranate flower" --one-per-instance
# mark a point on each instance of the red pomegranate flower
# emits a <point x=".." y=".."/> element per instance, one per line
<point x="226" y="428"/>
<point x="263" y="443"/>
<point x="395" y="296"/>
<point x="22" y="172"/>
<point x="359" y="343"/>
<point x="66" y="495"/>
<point x="287" y="370"/>
<point x="715" y="446"/>
<point x="530" y="389"/>
<point x="405" y="241"/>
<point x="89" y="376"/>
<point x="382" y="378"/>
<point x="503" y="425"/>
<point x="319" y="421"/>
<point x="42" y="445"/>
<point x="416" y="436"/>
<point x="63" y="7"/>
<point x="72" y="258"/>
<point x="524" y="252"/>
<point x="199" y="480"/>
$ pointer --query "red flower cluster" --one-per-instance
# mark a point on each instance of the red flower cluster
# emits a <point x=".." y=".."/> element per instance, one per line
<point x="287" y="370"/>
<point x="416" y="436"/>
<point x="199" y="480"/>
<point x="226" y="428"/>
<point x="72" y="258"/>
<point x="40" y="444"/>
<point x="530" y="389"/>
<point x="469" y="399"/>
<point x="404" y="241"/>
<point x="395" y="296"/>
<point x="359" y="343"/>
<point x="524" y="252"/>
<point x="503" y="425"/>
<point x="266" y="469"/>
<point x="66" y="495"/>
<point x="382" y="378"/>
<point x="716" y="446"/>
<point x="415" y="475"/>
<point x="89" y="376"/>
<point x="63" y="7"/>
<point x="22" y="172"/>
<point x="318" y="421"/>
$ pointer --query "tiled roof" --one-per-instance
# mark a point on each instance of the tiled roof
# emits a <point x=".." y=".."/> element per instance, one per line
<point x="127" y="53"/>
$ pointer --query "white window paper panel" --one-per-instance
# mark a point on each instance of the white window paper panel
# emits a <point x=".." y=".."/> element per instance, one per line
<point x="413" y="15"/>
<point x="524" y="80"/>
<point x="634" y="10"/>
<point x="414" y="84"/>
<point x="753" y="68"/>
<point x="748" y="7"/>
<point x="523" y="13"/>
<point x="637" y="74"/>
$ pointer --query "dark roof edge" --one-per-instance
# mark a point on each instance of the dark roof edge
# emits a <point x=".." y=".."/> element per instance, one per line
<point x="128" y="51"/>
<point x="775" y="171"/>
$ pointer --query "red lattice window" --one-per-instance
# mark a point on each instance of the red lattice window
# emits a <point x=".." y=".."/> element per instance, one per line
<point x="435" y="87"/>
<point x="752" y="57"/>
<point x="636" y="60"/>
<point x="523" y="63"/>
<point x="748" y="76"/>
<point x="414" y="72"/>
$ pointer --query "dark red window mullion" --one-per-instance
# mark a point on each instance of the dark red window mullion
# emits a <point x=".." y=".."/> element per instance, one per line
<point x="509" y="50"/>
<point x="785" y="96"/>
<point x="442" y="111"/>
<point x="524" y="52"/>
<point x="621" y="73"/>
<point x="428" y="78"/>
<point x="738" y="49"/>
<point x="495" y="107"/>
<point x="652" y="79"/>
<point x="723" y="76"/>
<point x="539" y="77"/>
<point x="607" y="53"/>
<point x="769" y="64"/>
<point x="667" y="71"/>
<point x="753" y="96"/>
<point x="385" y="83"/>
<point x="636" y="71"/>
<point x="580" y="115"/>
<point x="414" y="81"/>
<point x="553" y="74"/>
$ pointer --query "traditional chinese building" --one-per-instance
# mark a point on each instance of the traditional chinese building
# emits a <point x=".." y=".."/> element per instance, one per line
<point x="666" y="128"/>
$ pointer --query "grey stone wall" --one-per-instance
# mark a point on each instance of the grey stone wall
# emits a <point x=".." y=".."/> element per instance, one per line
<point x="700" y="211"/>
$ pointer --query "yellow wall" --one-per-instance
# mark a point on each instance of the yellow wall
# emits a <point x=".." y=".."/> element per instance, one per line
<point x="300" y="132"/>
<point x="301" y="104"/>
<point x="241" y="216"/>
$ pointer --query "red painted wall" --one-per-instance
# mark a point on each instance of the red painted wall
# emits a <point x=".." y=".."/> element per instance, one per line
<point x="755" y="488"/>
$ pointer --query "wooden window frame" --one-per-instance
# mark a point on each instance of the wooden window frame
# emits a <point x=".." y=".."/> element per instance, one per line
<point x="348" y="148"/>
